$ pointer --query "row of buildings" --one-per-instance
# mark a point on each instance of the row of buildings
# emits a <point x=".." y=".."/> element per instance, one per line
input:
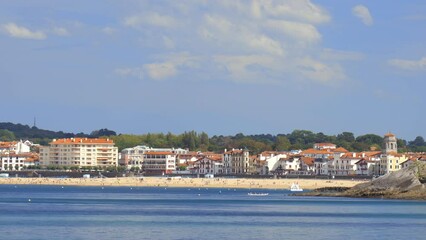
<point x="16" y="155"/>
<point x="322" y="159"/>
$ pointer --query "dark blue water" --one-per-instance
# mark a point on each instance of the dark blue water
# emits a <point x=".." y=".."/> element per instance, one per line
<point x="56" y="212"/>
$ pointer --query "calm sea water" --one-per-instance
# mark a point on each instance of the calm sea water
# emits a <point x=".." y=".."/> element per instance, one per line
<point x="56" y="212"/>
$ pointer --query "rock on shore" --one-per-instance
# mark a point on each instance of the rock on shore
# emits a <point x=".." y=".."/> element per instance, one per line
<point x="408" y="183"/>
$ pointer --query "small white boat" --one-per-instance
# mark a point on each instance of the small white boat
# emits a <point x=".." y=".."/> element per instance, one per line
<point x="295" y="188"/>
<point x="257" y="194"/>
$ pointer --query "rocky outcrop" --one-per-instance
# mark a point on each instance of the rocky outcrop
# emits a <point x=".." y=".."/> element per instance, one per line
<point x="408" y="183"/>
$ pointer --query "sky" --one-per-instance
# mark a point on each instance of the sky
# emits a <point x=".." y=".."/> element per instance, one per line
<point x="219" y="66"/>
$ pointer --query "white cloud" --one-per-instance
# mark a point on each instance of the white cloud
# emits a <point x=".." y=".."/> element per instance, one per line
<point x="224" y="32"/>
<point x="16" y="31"/>
<point x="320" y="72"/>
<point x="265" y="44"/>
<point x="153" y="19"/>
<point x="296" y="10"/>
<point x="158" y="71"/>
<point x="219" y="23"/>
<point x="239" y="66"/>
<point x="260" y="41"/>
<point x="108" y="30"/>
<point x="297" y="30"/>
<point x="411" y="65"/>
<point x="60" y="31"/>
<point x="256" y="9"/>
<point x="300" y="10"/>
<point x="363" y="13"/>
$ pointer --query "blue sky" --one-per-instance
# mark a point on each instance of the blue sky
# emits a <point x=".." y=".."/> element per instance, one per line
<point x="219" y="66"/>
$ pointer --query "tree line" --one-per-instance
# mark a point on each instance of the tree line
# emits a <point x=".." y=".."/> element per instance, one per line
<point x="298" y="139"/>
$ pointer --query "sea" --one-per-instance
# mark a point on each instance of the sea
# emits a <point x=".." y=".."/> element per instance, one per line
<point x="71" y="212"/>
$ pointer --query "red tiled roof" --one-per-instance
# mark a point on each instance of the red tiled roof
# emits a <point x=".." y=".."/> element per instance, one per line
<point x="308" y="161"/>
<point x="7" y="144"/>
<point x="83" y="141"/>
<point x="340" y="149"/>
<point x="314" y="151"/>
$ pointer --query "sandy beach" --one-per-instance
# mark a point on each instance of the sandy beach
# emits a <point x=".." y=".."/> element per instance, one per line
<point x="185" y="182"/>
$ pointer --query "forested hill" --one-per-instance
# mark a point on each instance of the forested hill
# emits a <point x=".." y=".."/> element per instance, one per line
<point x="298" y="139"/>
<point x="11" y="131"/>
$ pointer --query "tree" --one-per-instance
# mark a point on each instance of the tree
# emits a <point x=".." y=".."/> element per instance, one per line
<point x="346" y="136"/>
<point x="204" y="141"/>
<point x="302" y="137"/>
<point x="282" y="143"/>
<point x="370" y="139"/>
<point x="102" y="132"/>
<point x="6" y="135"/>
<point x="418" y="142"/>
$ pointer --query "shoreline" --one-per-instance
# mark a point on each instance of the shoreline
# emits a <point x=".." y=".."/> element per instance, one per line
<point x="245" y="183"/>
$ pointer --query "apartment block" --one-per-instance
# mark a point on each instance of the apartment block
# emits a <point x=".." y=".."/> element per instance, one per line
<point x="80" y="152"/>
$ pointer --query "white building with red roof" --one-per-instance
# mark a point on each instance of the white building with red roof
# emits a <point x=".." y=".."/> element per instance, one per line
<point x="15" y="147"/>
<point x="80" y="152"/>
<point x="208" y="165"/>
<point x="238" y="161"/>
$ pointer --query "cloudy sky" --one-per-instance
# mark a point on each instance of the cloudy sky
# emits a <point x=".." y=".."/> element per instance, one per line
<point x="219" y="66"/>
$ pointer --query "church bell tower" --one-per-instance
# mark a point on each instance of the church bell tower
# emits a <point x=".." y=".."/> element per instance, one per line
<point x="390" y="144"/>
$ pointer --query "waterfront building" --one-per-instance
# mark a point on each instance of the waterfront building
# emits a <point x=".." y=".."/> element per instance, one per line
<point x="133" y="157"/>
<point x="17" y="161"/>
<point x="156" y="162"/>
<point x="324" y="154"/>
<point x="288" y="165"/>
<point x="80" y="152"/>
<point x="207" y="165"/>
<point x="188" y="158"/>
<point x="270" y="160"/>
<point x="238" y="161"/>
<point x="321" y="166"/>
<point x="307" y="166"/>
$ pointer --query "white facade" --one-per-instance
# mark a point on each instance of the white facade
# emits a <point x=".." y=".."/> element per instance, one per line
<point x="134" y="157"/>
<point x="14" y="162"/>
<point x="238" y="161"/>
<point x="208" y="166"/>
<point x="289" y="165"/>
<point x="272" y="160"/>
<point x="80" y="152"/>
<point x="365" y="167"/>
<point x="159" y="162"/>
